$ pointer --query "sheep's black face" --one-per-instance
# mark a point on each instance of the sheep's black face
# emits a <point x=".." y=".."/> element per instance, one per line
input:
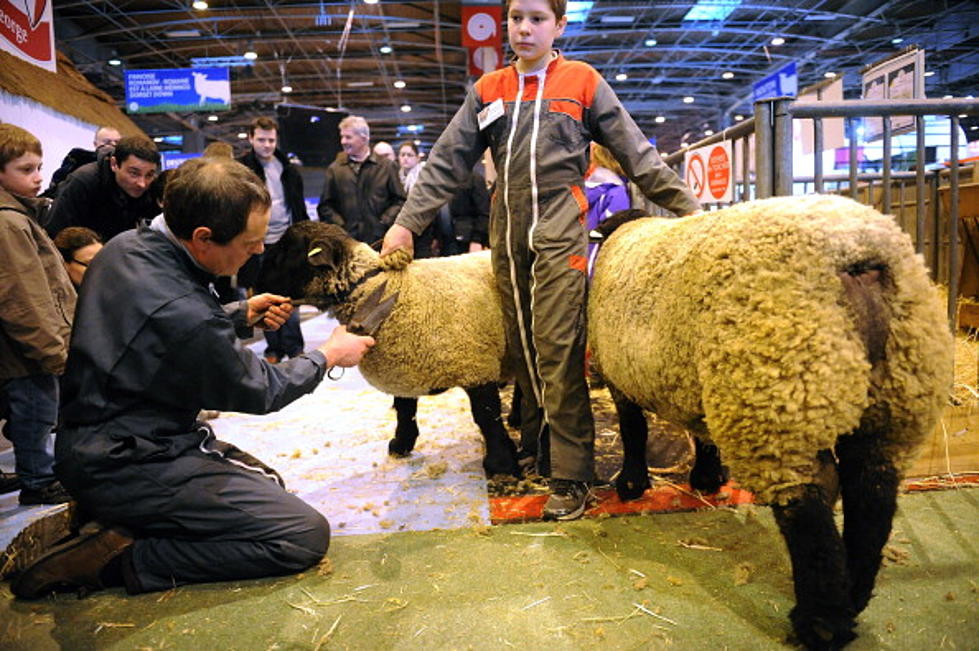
<point x="304" y="251"/>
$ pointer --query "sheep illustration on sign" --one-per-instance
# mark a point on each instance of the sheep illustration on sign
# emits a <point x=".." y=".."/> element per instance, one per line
<point x="206" y="88"/>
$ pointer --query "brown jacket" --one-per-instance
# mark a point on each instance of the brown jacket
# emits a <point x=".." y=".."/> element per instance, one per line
<point x="37" y="300"/>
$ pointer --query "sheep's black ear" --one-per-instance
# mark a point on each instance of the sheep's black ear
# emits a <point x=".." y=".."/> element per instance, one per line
<point x="327" y="254"/>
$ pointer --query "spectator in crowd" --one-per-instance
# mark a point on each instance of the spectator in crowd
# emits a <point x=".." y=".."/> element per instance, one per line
<point x="110" y="195"/>
<point x="462" y="224"/>
<point x="385" y="150"/>
<point x="104" y="137"/>
<point x="218" y="148"/>
<point x="361" y="191"/>
<point x="410" y="164"/>
<point x="539" y="145"/>
<point x="606" y="190"/>
<point x="78" y="246"/>
<point x="285" y="186"/>
<point x="172" y="504"/>
<point x="37" y="302"/>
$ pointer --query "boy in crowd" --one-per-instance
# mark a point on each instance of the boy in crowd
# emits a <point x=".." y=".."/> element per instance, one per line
<point x="37" y="302"/>
<point x="537" y="117"/>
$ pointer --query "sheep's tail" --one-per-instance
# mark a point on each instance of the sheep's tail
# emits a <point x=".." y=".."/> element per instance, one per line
<point x="863" y="291"/>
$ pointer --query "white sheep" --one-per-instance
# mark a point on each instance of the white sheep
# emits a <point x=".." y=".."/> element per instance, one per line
<point x="802" y="337"/>
<point x="211" y="88"/>
<point x="446" y="329"/>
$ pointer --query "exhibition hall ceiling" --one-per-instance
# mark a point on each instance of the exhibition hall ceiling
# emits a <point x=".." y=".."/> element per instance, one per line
<point x="680" y="68"/>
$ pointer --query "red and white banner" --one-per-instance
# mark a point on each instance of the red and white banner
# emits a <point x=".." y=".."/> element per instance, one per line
<point x="27" y="31"/>
<point x="482" y="36"/>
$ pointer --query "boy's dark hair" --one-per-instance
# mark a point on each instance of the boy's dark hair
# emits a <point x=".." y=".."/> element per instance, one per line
<point x="68" y="240"/>
<point x="268" y="124"/>
<point x="15" y="142"/>
<point x="138" y="146"/>
<point x="214" y="192"/>
<point x="559" y="7"/>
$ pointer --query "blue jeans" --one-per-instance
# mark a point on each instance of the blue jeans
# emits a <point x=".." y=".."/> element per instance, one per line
<point x="31" y="409"/>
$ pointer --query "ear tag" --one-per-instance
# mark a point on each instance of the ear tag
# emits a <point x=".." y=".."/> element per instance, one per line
<point x="314" y="252"/>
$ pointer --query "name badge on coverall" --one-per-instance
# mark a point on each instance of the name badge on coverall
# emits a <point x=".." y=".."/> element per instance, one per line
<point x="490" y="114"/>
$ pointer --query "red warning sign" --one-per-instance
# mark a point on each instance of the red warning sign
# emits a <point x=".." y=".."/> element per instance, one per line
<point x="718" y="173"/>
<point x="708" y="172"/>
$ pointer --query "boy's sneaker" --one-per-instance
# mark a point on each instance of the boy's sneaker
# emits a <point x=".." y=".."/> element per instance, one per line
<point x="53" y="493"/>
<point x="567" y="501"/>
<point x="8" y="482"/>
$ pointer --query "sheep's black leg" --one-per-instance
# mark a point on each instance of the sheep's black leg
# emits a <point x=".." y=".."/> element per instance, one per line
<point x="869" y="483"/>
<point x="708" y="473"/>
<point x="407" y="431"/>
<point x="823" y="614"/>
<point x="633" y="479"/>
<point x="501" y="453"/>
<point x="513" y="418"/>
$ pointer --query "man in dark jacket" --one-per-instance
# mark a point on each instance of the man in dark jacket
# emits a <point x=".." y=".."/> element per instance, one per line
<point x="285" y="185"/>
<point x="78" y="156"/>
<point x="110" y="195"/>
<point x="176" y="505"/>
<point x="362" y="191"/>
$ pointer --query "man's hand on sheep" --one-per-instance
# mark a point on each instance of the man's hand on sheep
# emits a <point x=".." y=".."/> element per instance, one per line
<point x="345" y="349"/>
<point x="398" y="248"/>
<point x="268" y="311"/>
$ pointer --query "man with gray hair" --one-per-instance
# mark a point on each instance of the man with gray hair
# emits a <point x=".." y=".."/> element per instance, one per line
<point x="362" y="191"/>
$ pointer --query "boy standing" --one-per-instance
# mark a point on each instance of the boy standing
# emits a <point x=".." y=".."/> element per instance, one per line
<point x="37" y="302"/>
<point x="537" y="116"/>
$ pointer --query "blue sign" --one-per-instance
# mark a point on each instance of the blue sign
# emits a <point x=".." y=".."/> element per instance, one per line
<point x="784" y="83"/>
<point x="178" y="90"/>
<point x="174" y="159"/>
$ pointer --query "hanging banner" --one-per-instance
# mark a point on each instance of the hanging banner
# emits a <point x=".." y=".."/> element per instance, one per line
<point x="178" y="89"/>
<point x="27" y="31"/>
<point x="482" y="36"/>
<point x="898" y="77"/>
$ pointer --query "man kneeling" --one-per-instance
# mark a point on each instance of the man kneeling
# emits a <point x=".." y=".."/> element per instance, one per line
<point x="151" y="347"/>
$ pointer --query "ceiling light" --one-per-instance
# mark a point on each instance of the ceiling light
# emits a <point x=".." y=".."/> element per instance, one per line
<point x="897" y="41"/>
<point x="738" y="118"/>
<point x="778" y="40"/>
<point x="370" y="2"/>
<point x="250" y="53"/>
<point x="400" y="84"/>
<point x="621" y="76"/>
<point x="617" y="19"/>
<point x="158" y="139"/>
<point x="286" y="88"/>
<point x="963" y="115"/>
<point x="946" y="97"/>
<point x="973" y="127"/>
<point x="183" y="33"/>
<point x="659" y="119"/>
<point x="406" y="108"/>
<point x="727" y="75"/>
<point x="386" y="49"/>
<point x="829" y="75"/>
<point x="708" y="132"/>
<point x="650" y="42"/>
<point x="115" y="61"/>
<point x="212" y="118"/>
<point x="359" y="84"/>
<point x="199" y="5"/>
<point x="242" y="135"/>
<point x="688" y="100"/>
<point x="930" y="73"/>
<point x="711" y="10"/>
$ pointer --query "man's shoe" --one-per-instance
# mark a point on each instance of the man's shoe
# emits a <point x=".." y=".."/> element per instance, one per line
<point x="567" y="501"/>
<point x="8" y="482"/>
<point x="37" y="538"/>
<point x="75" y="565"/>
<point x="53" y="493"/>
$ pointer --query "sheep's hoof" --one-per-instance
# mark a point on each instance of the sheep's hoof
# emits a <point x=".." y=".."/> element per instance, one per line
<point x="501" y="465"/>
<point x="631" y="488"/>
<point x="400" y="448"/>
<point x="708" y="477"/>
<point x="822" y="632"/>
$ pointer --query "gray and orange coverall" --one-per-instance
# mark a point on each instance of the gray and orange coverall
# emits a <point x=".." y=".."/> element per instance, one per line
<point x="538" y="127"/>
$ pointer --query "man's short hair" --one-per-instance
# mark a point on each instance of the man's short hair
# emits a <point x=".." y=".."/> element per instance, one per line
<point x="68" y="240"/>
<point x="219" y="149"/>
<point x="358" y="124"/>
<point x="15" y="142"/>
<point x="99" y="131"/>
<point x="214" y="192"/>
<point x="559" y="7"/>
<point x="264" y="123"/>
<point x="139" y="146"/>
<point x="408" y="143"/>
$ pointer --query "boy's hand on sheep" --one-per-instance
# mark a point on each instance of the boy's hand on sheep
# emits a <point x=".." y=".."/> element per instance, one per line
<point x="398" y="248"/>
<point x="268" y="311"/>
<point x="345" y="349"/>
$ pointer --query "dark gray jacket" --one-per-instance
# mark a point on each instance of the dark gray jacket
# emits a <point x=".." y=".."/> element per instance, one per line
<point x="365" y="204"/>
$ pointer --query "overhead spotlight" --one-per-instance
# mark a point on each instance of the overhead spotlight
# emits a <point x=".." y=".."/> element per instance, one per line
<point x="688" y="100"/>
<point x="829" y="75"/>
<point x="386" y="49"/>
<point x="370" y="2"/>
<point x="199" y="5"/>
<point x="659" y="119"/>
<point x="727" y="75"/>
<point x="930" y="73"/>
<point x="286" y="88"/>
<point x="778" y="40"/>
<point x="115" y="61"/>
<point x="242" y="135"/>
<point x="250" y="53"/>
<point x="399" y="84"/>
<point x="897" y="41"/>
<point x="621" y="76"/>
<point x="406" y="108"/>
<point x="158" y="139"/>
<point x="708" y="132"/>
<point x="650" y="42"/>
<point x="212" y="118"/>
<point x="946" y="97"/>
